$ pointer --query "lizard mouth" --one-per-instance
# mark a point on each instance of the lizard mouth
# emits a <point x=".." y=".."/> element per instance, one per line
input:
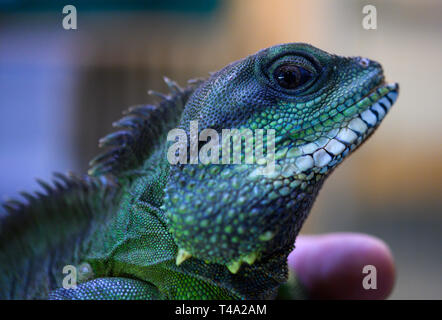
<point x="326" y="152"/>
<point x="358" y="128"/>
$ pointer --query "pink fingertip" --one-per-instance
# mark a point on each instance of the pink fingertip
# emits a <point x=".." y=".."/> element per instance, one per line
<point x="331" y="266"/>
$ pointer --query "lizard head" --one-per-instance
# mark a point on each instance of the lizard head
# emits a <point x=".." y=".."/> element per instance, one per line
<point x="318" y="108"/>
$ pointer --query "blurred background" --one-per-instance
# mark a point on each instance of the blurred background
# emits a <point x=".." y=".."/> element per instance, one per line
<point x="60" y="90"/>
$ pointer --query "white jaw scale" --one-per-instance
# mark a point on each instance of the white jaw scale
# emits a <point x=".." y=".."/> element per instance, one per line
<point x="329" y="150"/>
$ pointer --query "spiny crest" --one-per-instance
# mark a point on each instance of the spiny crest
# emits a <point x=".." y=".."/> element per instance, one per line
<point x="46" y="229"/>
<point x="61" y="184"/>
<point x="140" y="130"/>
<point x="75" y="200"/>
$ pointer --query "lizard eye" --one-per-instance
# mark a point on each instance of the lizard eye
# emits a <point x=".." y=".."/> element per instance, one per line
<point x="290" y="76"/>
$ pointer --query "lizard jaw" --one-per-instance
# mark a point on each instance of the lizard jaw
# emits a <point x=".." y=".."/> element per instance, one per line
<point x="354" y="132"/>
<point x="328" y="151"/>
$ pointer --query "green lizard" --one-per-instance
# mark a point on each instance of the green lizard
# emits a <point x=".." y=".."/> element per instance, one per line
<point x="138" y="227"/>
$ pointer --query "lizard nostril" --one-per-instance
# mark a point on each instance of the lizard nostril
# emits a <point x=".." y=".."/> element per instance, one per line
<point x="364" y="62"/>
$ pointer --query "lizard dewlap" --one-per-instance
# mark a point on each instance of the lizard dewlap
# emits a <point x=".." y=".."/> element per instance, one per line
<point x="148" y="227"/>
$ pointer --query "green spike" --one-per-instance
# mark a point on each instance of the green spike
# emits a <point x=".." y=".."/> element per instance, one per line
<point x="266" y="236"/>
<point x="234" y="266"/>
<point x="182" y="256"/>
<point x="251" y="258"/>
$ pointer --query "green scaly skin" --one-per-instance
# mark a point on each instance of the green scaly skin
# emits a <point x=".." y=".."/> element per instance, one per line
<point x="139" y="228"/>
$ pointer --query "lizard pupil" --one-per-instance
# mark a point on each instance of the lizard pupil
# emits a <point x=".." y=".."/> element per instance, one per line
<point x="291" y="76"/>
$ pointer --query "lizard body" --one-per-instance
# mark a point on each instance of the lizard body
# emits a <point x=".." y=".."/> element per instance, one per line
<point x="138" y="227"/>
